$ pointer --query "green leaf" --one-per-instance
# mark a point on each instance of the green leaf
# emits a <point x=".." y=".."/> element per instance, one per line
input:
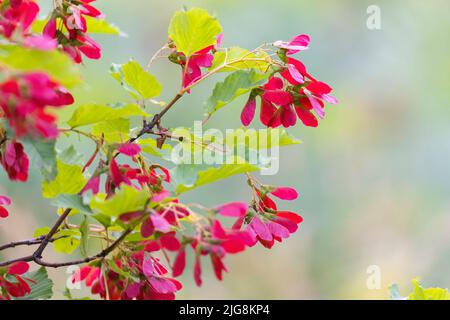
<point x="94" y="113"/>
<point x="69" y="243"/>
<point x="56" y="63"/>
<point x="94" y="25"/>
<point x="70" y="180"/>
<point x="150" y="146"/>
<point x="102" y="26"/>
<point x="41" y="232"/>
<point x="126" y="199"/>
<point x="420" y="293"/>
<point x="42" y="155"/>
<point x="190" y="176"/>
<point x="114" y="131"/>
<point x="234" y="85"/>
<point x="138" y="82"/>
<point x="41" y="285"/>
<point x="70" y="156"/>
<point x="71" y="201"/>
<point x="193" y="30"/>
<point x="236" y="58"/>
<point x="84" y="229"/>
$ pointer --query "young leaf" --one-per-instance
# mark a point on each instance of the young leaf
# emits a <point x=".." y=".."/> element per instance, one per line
<point x="193" y="30"/>
<point x="71" y="201"/>
<point x="102" y="26"/>
<point x="69" y="180"/>
<point x="138" y="82"/>
<point x="94" y="113"/>
<point x="84" y="229"/>
<point x="234" y="85"/>
<point x="40" y="284"/>
<point x="420" y="293"/>
<point x="94" y="25"/>
<point x="113" y="130"/>
<point x="236" y="58"/>
<point x="42" y="155"/>
<point x="127" y="199"/>
<point x="188" y="177"/>
<point x="70" y="156"/>
<point x="56" y="63"/>
<point x="69" y="243"/>
<point x="150" y="146"/>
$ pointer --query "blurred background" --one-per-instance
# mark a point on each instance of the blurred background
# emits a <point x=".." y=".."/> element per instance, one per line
<point x="373" y="178"/>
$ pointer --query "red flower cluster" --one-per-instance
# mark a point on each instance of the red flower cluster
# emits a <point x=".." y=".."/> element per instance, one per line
<point x="4" y="201"/>
<point x="266" y="224"/>
<point x="139" y="277"/>
<point x="23" y="100"/>
<point x="73" y="36"/>
<point x="295" y="94"/>
<point x="12" y="282"/>
<point x="15" y="161"/>
<point x="17" y="15"/>
<point x="192" y="67"/>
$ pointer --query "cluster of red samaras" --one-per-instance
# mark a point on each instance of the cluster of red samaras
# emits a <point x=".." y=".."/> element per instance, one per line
<point x="17" y="16"/>
<point x="290" y="93"/>
<point x="142" y="275"/>
<point x="13" y="283"/>
<point x="294" y="93"/>
<point x="24" y="97"/>
<point x="192" y="67"/>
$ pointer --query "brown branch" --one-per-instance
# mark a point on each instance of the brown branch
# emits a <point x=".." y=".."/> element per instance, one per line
<point x="100" y="255"/>
<point x="148" y="127"/>
<point x="30" y="242"/>
<point x="37" y="255"/>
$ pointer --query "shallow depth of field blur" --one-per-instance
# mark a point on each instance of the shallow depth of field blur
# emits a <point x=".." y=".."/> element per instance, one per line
<point x="373" y="178"/>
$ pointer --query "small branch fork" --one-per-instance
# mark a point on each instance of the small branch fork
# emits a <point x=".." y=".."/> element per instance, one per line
<point x="43" y="241"/>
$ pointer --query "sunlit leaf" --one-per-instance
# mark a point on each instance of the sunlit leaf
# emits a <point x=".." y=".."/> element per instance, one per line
<point x="55" y="63"/>
<point x="236" y="58"/>
<point x="193" y="30"/>
<point x="138" y="82"/>
<point x="69" y="180"/>
<point x="69" y="241"/>
<point x="187" y="177"/>
<point x="234" y="85"/>
<point x="94" y="113"/>
<point x="126" y="199"/>
<point x="113" y="130"/>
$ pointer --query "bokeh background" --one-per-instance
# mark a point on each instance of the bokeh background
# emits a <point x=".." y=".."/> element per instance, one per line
<point x="374" y="177"/>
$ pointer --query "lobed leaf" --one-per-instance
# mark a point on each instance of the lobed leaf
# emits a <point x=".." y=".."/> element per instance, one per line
<point x="138" y="82"/>
<point x="237" y="58"/>
<point x="234" y="85"/>
<point x="94" y="113"/>
<point x="41" y="285"/>
<point x="126" y="199"/>
<point x="193" y="30"/>
<point x="70" y="180"/>
<point x="187" y="177"/>
<point x="57" y="64"/>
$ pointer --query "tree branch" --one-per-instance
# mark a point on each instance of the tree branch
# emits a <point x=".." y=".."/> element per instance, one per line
<point x="30" y="242"/>
<point x="100" y="255"/>
<point x="37" y="255"/>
